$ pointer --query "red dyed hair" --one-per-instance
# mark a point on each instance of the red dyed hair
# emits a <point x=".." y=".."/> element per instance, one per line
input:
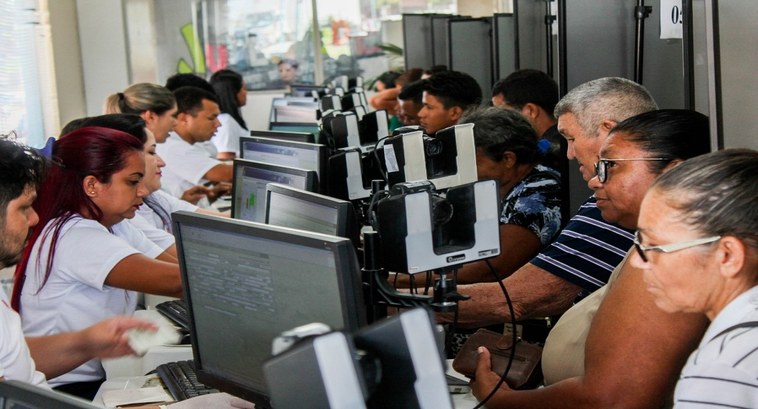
<point x="90" y="151"/>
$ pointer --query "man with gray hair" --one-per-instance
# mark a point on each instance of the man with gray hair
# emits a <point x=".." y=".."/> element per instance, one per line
<point x="583" y="256"/>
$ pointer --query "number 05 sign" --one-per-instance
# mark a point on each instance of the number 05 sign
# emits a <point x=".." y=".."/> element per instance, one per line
<point x="671" y="19"/>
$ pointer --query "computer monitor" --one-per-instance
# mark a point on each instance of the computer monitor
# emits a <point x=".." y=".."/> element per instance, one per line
<point x="299" y="209"/>
<point x="309" y="156"/>
<point x="19" y="395"/>
<point x="309" y="127"/>
<point x="306" y="137"/>
<point x="305" y="90"/>
<point x="246" y="283"/>
<point x="293" y="109"/>
<point x="249" y="186"/>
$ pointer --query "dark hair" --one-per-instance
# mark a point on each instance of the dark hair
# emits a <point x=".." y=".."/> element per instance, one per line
<point x="410" y="75"/>
<point x="388" y="78"/>
<point x="189" y="100"/>
<point x="132" y="124"/>
<point x="717" y="193"/>
<point x="21" y="167"/>
<point x="228" y="84"/>
<point x="499" y="130"/>
<point x="95" y="151"/>
<point x="413" y="91"/>
<point x="454" y="88"/>
<point x="667" y="133"/>
<point x="292" y="63"/>
<point x="177" y="81"/>
<point x="139" y="98"/>
<point x="528" y="86"/>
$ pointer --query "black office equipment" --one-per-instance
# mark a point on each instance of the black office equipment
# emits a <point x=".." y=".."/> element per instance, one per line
<point x="309" y="156"/>
<point x="181" y="381"/>
<point x="249" y="186"/>
<point x="299" y="209"/>
<point x="297" y="136"/>
<point x="246" y="283"/>
<point x="176" y="312"/>
<point x="19" y="395"/>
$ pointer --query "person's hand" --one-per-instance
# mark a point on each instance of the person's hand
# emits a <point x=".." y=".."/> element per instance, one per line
<point x="213" y="400"/>
<point x="108" y="339"/>
<point x="485" y="379"/>
<point x="195" y="193"/>
<point x="218" y="190"/>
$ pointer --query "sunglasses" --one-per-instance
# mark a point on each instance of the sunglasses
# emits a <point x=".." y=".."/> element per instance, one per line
<point x="670" y="248"/>
<point x="601" y="166"/>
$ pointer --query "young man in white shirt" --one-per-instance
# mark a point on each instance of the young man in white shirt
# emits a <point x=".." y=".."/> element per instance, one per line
<point x="187" y="163"/>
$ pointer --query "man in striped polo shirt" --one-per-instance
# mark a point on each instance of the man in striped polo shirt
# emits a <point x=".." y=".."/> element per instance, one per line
<point x="588" y="249"/>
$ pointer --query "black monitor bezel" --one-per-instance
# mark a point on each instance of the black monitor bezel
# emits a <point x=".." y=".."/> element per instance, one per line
<point x="322" y="152"/>
<point x="353" y="307"/>
<point x="39" y="397"/>
<point x="305" y="137"/>
<point x="349" y="228"/>
<point x="311" y="177"/>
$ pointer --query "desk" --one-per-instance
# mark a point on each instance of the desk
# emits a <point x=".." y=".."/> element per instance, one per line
<point x="460" y="401"/>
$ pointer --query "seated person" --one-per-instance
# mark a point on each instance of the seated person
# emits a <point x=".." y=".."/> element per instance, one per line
<point x="83" y="263"/>
<point x="153" y="103"/>
<point x="592" y="357"/>
<point x="187" y="163"/>
<point x="232" y="95"/>
<point x="388" y="87"/>
<point x="410" y="103"/>
<point x="447" y="95"/>
<point x="698" y="251"/>
<point x="534" y="94"/>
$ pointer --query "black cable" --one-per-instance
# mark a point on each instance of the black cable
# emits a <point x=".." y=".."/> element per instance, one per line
<point x="513" y="341"/>
<point x="382" y="166"/>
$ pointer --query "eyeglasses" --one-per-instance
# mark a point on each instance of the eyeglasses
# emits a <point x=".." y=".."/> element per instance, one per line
<point x="601" y="166"/>
<point x="670" y="248"/>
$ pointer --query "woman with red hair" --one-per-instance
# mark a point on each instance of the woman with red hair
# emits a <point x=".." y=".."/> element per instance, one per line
<point x="82" y="263"/>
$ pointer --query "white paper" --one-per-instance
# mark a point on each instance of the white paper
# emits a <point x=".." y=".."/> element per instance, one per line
<point x="390" y="158"/>
<point x="155" y="394"/>
<point x="671" y="19"/>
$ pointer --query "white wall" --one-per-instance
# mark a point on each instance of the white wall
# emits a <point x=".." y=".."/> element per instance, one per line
<point x="68" y="60"/>
<point x="105" y="64"/>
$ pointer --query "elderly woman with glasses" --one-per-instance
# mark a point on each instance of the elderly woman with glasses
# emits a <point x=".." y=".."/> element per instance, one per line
<point x="616" y="348"/>
<point x="697" y="244"/>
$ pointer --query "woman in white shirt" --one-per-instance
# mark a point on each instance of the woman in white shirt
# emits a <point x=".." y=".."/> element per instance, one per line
<point x="82" y="263"/>
<point x="698" y="248"/>
<point x="232" y="94"/>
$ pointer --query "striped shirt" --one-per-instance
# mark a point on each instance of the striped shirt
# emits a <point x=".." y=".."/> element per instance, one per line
<point x="723" y="371"/>
<point x="587" y="249"/>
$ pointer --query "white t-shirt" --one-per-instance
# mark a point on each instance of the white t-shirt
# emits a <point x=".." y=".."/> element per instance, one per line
<point x="16" y="362"/>
<point x="75" y="295"/>
<point x="227" y="137"/>
<point x="185" y="164"/>
<point x="169" y="203"/>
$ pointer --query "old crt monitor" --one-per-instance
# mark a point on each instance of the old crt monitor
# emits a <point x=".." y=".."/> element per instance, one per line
<point x="296" y="136"/>
<point x="246" y="283"/>
<point x="309" y="156"/>
<point x="19" y="395"/>
<point x="449" y="157"/>
<point x="299" y="209"/>
<point x="249" y="186"/>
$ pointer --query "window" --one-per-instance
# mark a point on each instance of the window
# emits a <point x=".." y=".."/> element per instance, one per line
<point x="271" y="43"/>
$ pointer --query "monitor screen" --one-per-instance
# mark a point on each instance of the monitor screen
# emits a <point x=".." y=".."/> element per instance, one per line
<point x="19" y="395"/>
<point x="287" y="136"/>
<point x="310" y="127"/>
<point x="293" y="109"/>
<point x="246" y="283"/>
<point x="249" y="186"/>
<point x="309" y="156"/>
<point x="299" y="209"/>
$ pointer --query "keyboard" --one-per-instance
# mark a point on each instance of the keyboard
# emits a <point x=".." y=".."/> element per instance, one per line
<point x="181" y="381"/>
<point x="176" y="311"/>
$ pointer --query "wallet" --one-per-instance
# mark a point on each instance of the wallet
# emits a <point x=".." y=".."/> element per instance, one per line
<point x="525" y="371"/>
